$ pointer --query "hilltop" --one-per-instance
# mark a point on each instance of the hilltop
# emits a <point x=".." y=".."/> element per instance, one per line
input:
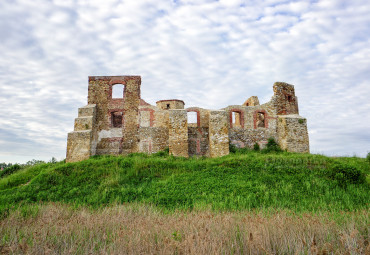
<point x="239" y="181"/>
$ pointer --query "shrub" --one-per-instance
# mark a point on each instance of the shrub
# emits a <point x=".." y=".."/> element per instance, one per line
<point x="163" y="153"/>
<point x="346" y="174"/>
<point x="368" y="157"/>
<point x="10" y="170"/>
<point x="272" y="146"/>
<point x="232" y="148"/>
<point x="256" y="147"/>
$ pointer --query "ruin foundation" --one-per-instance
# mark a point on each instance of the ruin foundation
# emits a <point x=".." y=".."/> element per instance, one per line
<point x="123" y="123"/>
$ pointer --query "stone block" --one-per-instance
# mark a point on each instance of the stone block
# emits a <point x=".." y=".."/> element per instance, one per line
<point x="83" y="123"/>
<point x="79" y="145"/>
<point x="88" y="110"/>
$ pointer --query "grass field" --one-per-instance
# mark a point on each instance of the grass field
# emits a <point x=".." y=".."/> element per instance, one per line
<point x="141" y="229"/>
<point x="246" y="202"/>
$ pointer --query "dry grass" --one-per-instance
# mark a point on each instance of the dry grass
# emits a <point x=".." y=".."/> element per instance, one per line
<point x="139" y="229"/>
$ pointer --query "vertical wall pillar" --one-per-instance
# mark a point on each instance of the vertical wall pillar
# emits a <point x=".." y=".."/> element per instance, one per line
<point x="178" y="133"/>
<point x="218" y="134"/>
<point x="130" y="130"/>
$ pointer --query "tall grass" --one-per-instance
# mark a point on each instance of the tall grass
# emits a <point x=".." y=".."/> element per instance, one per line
<point x="142" y="229"/>
<point x="248" y="180"/>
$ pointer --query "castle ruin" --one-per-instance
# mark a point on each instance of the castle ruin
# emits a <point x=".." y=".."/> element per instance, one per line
<point x="123" y="124"/>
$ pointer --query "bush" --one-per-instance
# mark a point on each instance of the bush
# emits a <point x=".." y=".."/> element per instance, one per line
<point x="346" y="174"/>
<point x="272" y="146"/>
<point x="256" y="147"/>
<point x="232" y="148"/>
<point x="368" y="157"/>
<point x="163" y="153"/>
<point x="10" y="170"/>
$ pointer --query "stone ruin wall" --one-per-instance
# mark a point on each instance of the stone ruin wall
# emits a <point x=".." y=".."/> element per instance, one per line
<point x="119" y="126"/>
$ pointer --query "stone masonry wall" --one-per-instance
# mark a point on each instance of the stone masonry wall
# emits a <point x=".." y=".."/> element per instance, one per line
<point x="218" y="134"/>
<point x="80" y="144"/>
<point x="178" y="133"/>
<point x="123" y="138"/>
<point x="285" y="100"/>
<point x="293" y="134"/>
<point x="128" y="124"/>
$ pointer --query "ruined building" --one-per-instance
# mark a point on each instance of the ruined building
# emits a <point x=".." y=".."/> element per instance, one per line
<point x="109" y="125"/>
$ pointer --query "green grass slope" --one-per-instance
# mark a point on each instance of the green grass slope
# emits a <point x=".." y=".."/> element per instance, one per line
<point x="248" y="180"/>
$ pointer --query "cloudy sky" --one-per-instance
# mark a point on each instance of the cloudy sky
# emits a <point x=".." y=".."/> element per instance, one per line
<point x="208" y="53"/>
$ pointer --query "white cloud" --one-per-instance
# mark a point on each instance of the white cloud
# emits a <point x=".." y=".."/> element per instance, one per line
<point x="208" y="53"/>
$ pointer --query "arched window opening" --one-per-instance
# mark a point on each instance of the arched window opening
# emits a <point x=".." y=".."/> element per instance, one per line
<point x="168" y="106"/>
<point x="261" y="119"/>
<point x="192" y="117"/>
<point x="117" y="119"/>
<point x="236" y="119"/>
<point x="117" y="91"/>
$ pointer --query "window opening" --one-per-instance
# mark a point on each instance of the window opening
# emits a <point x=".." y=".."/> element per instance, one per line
<point x="168" y="106"/>
<point x="236" y="119"/>
<point x="192" y="117"/>
<point x="117" y="91"/>
<point x="117" y="118"/>
<point x="260" y="119"/>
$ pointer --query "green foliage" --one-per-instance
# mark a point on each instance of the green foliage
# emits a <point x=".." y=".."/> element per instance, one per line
<point x="346" y="174"/>
<point x="256" y="147"/>
<point x="301" y="121"/>
<point x="272" y="146"/>
<point x="368" y="157"/>
<point x="232" y="148"/>
<point x="10" y="170"/>
<point x="163" y="153"/>
<point x="245" y="179"/>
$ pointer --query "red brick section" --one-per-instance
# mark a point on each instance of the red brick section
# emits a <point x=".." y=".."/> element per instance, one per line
<point x="241" y="113"/>
<point x="142" y="102"/>
<point x="110" y="111"/>
<point x="151" y="115"/>
<point x="198" y="115"/>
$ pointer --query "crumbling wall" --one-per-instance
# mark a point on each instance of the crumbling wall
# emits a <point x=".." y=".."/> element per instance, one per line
<point x="284" y="99"/>
<point x="252" y="129"/>
<point x="293" y="134"/>
<point x="80" y="142"/>
<point x="218" y="134"/>
<point x="178" y="133"/>
<point x="126" y="124"/>
<point x="252" y="101"/>
<point x="113" y="138"/>
<point x="198" y="144"/>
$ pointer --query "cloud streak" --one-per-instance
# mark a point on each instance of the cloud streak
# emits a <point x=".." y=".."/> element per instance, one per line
<point x="209" y="53"/>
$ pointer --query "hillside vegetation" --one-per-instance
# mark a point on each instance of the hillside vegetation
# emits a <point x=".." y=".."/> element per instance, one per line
<point x="242" y="180"/>
<point x="248" y="202"/>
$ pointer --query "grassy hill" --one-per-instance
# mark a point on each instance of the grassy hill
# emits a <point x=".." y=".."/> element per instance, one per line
<point x="242" y="180"/>
<point x="245" y="203"/>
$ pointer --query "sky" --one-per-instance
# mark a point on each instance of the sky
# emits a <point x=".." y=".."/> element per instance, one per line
<point x="208" y="53"/>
